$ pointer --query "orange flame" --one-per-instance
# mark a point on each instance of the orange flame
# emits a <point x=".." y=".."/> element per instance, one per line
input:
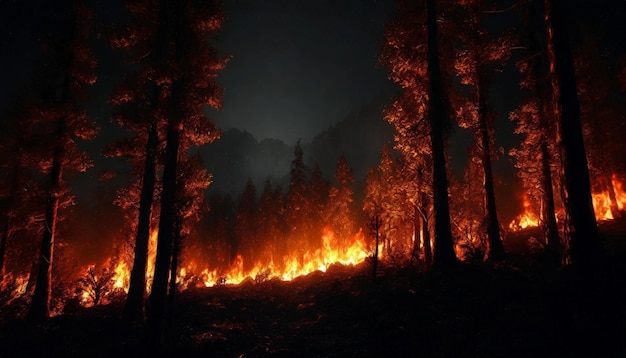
<point x="602" y="205"/>
<point x="526" y="219"/>
<point x="602" y="201"/>
<point x="292" y="266"/>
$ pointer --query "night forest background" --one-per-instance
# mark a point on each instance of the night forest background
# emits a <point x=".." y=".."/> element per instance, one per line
<point x="476" y="185"/>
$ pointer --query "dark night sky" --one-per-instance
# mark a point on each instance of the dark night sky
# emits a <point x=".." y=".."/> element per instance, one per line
<point x="299" y="66"/>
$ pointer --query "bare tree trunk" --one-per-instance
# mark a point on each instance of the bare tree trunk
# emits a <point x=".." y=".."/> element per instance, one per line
<point x="444" y="257"/>
<point x="583" y="230"/>
<point x="428" y="254"/>
<point x="40" y="303"/>
<point x="133" y="309"/>
<point x="417" y="228"/>
<point x="8" y="221"/>
<point x="156" y="308"/>
<point x="377" y="223"/>
<point x="172" y="12"/>
<point x="496" y="249"/>
<point x="177" y="246"/>
<point x="551" y="230"/>
<point x="6" y="233"/>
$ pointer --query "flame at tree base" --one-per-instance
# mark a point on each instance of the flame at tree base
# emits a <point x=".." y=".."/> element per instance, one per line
<point x="603" y="207"/>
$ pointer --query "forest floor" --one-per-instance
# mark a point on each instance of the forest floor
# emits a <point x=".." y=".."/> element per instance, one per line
<point x="518" y="309"/>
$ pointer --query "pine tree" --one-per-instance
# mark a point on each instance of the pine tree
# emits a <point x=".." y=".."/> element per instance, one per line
<point x="60" y="123"/>
<point x="189" y="69"/>
<point x="421" y="114"/>
<point x="536" y="123"/>
<point x="438" y="112"/>
<point x="341" y="203"/>
<point x="473" y="65"/>
<point x="297" y="205"/>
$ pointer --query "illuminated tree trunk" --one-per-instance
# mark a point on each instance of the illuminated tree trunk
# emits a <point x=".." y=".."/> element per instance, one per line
<point x="133" y="310"/>
<point x="444" y="246"/>
<point x="423" y="210"/>
<point x="417" y="228"/>
<point x="40" y="304"/>
<point x="428" y="254"/>
<point x="583" y="230"/>
<point x="496" y="249"/>
<point x="612" y="197"/>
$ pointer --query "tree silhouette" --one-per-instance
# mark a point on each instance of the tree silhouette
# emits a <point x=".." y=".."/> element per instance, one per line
<point x="189" y="69"/>
<point x="60" y="123"/>
<point x="581" y="221"/>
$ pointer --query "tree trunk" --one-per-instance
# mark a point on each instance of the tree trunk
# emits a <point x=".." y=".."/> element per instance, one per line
<point x="40" y="303"/>
<point x="377" y="223"/>
<point x="176" y="245"/>
<point x="583" y="230"/>
<point x="417" y="227"/>
<point x="172" y="12"/>
<point x="496" y="249"/>
<point x="444" y="257"/>
<point x="133" y="309"/>
<point x="612" y="197"/>
<point x="6" y="233"/>
<point x="551" y="230"/>
<point x="428" y="255"/>
<point x="156" y="308"/>
<point x="8" y="221"/>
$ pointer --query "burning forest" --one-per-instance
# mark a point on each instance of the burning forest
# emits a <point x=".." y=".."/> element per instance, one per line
<point x="315" y="262"/>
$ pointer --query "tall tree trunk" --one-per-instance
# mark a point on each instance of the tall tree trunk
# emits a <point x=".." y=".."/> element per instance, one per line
<point x="8" y="221"/>
<point x="444" y="257"/>
<point x="583" y="230"/>
<point x="133" y="309"/>
<point x="496" y="249"/>
<point x="156" y="308"/>
<point x="176" y="246"/>
<point x="428" y="254"/>
<point x="40" y="303"/>
<point x="6" y="233"/>
<point x="172" y="21"/>
<point x="551" y="230"/>
<point x="417" y="228"/>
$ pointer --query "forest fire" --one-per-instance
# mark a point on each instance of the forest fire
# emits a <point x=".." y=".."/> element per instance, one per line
<point x="194" y="274"/>
<point x="285" y="268"/>
<point x="603" y="204"/>
<point x="526" y="219"/>
<point x="606" y="205"/>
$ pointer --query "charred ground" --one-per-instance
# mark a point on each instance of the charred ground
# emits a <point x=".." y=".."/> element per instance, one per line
<point x="521" y="308"/>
